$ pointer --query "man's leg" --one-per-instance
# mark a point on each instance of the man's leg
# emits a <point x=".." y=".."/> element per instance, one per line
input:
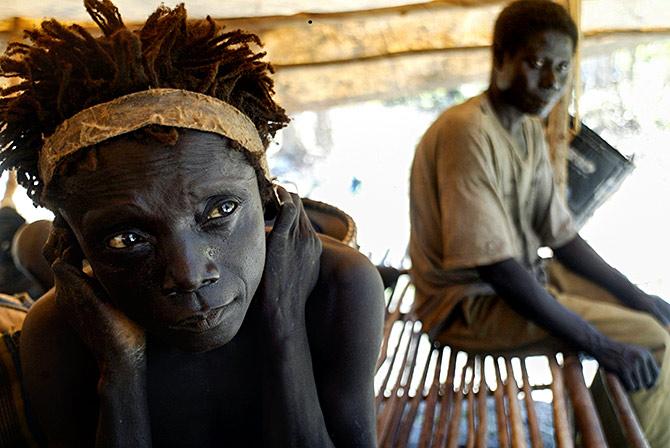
<point x="632" y="327"/>
<point x="488" y="323"/>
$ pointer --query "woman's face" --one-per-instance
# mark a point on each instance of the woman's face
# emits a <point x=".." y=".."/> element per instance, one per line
<point x="175" y="234"/>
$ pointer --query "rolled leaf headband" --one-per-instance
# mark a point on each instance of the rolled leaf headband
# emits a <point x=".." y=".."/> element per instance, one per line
<point x="166" y="107"/>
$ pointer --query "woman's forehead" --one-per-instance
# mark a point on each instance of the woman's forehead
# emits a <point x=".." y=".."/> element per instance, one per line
<point x="128" y="167"/>
<point x="197" y="151"/>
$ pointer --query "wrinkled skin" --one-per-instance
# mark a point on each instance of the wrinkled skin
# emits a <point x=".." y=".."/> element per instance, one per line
<point x="197" y="327"/>
<point x="177" y="261"/>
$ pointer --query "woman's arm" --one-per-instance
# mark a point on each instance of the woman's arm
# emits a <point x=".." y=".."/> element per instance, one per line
<point x="315" y="393"/>
<point x="344" y="322"/>
<point x="80" y="349"/>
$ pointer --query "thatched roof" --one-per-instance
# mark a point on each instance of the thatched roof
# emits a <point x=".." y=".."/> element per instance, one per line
<point x="347" y="50"/>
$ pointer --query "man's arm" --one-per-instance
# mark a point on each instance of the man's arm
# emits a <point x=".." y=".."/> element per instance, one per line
<point x="634" y="365"/>
<point x="581" y="259"/>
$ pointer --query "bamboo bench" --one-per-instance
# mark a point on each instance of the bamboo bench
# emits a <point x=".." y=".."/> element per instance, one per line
<point x="429" y="390"/>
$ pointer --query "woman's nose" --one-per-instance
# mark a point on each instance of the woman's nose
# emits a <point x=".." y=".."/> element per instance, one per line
<point x="189" y="269"/>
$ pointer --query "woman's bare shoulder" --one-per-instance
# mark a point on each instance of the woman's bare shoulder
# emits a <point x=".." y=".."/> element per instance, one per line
<point x="346" y="270"/>
<point x="349" y="296"/>
<point x="58" y="374"/>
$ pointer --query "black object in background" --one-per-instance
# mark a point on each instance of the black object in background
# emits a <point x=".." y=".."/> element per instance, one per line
<point x="596" y="170"/>
<point x="12" y="281"/>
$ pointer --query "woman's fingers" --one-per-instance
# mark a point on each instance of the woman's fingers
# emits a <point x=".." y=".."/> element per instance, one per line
<point x="287" y="212"/>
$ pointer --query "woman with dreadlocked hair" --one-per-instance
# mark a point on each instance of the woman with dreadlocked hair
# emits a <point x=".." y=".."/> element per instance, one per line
<point x="193" y="326"/>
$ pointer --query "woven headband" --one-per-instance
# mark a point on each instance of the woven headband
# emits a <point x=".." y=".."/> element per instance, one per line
<point x="166" y="107"/>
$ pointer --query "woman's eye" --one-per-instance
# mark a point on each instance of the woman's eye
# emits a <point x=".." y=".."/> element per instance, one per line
<point x="125" y="240"/>
<point x="223" y="209"/>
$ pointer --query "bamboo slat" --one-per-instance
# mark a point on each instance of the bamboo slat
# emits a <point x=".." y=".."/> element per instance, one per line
<point x="516" y="422"/>
<point x="533" y="426"/>
<point x="482" y="413"/>
<point x="563" y="433"/>
<point x="402" y="344"/>
<point x="392" y="414"/>
<point x="429" y="409"/>
<point x="470" y="395"/>
<point x="455" y="420"/>
<point x="445" y="402"/>
<point x="408" y="421"/>
<point x="390" y="404"/>
<point x="585" y="413"/>
<point x="626" y="415"/>
<point x="501" y="415"/>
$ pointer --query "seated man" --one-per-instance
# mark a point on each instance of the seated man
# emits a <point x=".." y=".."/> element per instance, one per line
<point x="195" y="327"/>
<point x="483" y="201"/>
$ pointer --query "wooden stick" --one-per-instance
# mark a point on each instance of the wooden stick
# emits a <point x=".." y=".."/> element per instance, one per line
<point x="446" y="398"/>
<point x="482" y="412"/>
<point x="408" y="421"/>
<point x="582" y="403"/>
<point x="516" y="422"/>
<point x="407" y="327"/>
<point x="533" y="426"/>
<point x="624" y="411"/>
<point x="389" y="321"/>
<point x="455" y="420"/>
<point x="470" y="395"/>
<point x="501" y="416"/>
<point x="384" y="417"/>
<point x="562" y="430"/>
<point x="392" y="418"/>
<point x="429" y="408"/>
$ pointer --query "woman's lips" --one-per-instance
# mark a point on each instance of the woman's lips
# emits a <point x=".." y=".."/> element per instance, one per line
<point x="200" y="322"/>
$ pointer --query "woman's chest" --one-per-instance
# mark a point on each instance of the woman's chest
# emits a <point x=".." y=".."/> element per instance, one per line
<point x="208" y="399"/>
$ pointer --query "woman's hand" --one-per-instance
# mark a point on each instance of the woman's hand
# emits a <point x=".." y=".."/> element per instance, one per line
<point x="291" y="268"/>
<point x="116" y="341"/>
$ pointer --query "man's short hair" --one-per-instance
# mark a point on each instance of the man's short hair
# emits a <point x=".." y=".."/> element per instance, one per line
<point x="523" y="18"/>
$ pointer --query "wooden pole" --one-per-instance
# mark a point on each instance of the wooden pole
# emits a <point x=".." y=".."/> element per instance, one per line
<point x="625" y="414"/>
<point x="582" y="404"/>
<point x="558" y="123"/>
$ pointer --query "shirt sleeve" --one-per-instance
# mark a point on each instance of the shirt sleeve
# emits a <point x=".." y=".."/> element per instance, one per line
<point x="477" y="230"/>
<point x="553" y="222"/>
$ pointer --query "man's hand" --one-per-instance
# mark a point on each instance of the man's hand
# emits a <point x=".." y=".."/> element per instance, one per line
<point x="291" y="267"/>
<point x="116" y="341"/>
<point x="635" y="366"/>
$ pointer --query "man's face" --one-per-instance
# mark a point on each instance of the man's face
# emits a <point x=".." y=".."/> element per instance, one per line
<point x="533" y="79"/>
<point x="174" y="234"/>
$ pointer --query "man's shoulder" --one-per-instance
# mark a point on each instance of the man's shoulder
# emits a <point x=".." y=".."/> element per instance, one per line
<point x="464" y="121"/>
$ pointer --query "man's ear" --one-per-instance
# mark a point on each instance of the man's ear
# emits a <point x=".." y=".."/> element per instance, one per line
<point x="498" y="56"/>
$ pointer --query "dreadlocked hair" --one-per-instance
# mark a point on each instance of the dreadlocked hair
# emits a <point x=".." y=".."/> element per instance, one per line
<point x="64" y="70"/>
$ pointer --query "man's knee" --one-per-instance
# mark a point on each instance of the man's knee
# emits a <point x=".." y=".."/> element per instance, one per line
<point x="652" y="335"/>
